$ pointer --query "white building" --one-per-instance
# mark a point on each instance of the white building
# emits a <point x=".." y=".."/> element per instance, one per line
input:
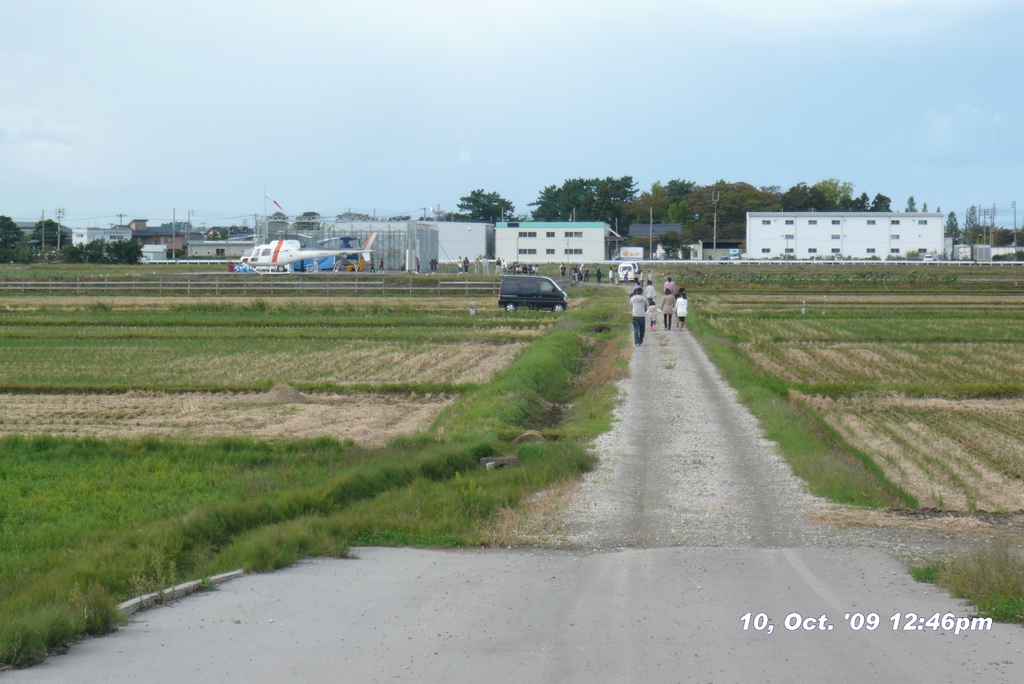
<point x="844" y="235"/>
<point x="537" y="242"/>
<point x="83" y="236"/>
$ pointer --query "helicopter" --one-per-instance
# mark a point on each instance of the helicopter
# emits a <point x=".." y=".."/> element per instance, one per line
<point x="281" y="255"/>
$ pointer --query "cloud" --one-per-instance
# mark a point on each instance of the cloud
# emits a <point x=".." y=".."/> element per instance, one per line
<point x="465" y="157"/>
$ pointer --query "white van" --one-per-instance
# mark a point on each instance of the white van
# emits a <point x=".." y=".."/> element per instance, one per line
<point x="626" y="270"/>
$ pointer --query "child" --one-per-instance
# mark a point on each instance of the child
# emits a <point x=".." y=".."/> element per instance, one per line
<point x="652" y="316"/>
<point x="682" y="308"/>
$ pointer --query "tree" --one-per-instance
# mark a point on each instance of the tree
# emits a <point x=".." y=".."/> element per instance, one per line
<point x="802" y="197"/>
<point x="486" y="207"/>
<point x="862" y="203"/>
<point x="677" y="189"/>
<point x="124" y="252"/>
<point x="696" y="213"/>
<point x="953" y="227"/>
<point x="586" y="199"/>
<point x="835" y="195"/>
<point x="671" y="242"/>
<point x="1002" y="237"/>
<point x="924" y="207"/>
<point x="10" y="234"/>
<point x="972" y="227"/>
<point x="881" y="203"/>
<point x="911" y="204"/>
<point x="44" y="233"/>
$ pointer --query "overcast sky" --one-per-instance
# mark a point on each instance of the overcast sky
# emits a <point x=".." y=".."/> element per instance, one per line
<point x="389" y="106"/>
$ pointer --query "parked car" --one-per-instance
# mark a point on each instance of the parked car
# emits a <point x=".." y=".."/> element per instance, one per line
<point x="626" y="270"/>
<point x="531" y="292"/>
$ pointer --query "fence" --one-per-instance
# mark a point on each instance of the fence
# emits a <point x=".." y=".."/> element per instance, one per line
<point x="245" y="285"/>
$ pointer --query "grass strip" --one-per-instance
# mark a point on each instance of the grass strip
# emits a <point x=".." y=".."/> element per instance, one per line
<point x="991" y="578"/>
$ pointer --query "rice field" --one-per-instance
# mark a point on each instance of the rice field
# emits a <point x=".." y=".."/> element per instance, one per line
<point x="239" y="348"/>
<point x="176" y="368"/>
<point x="929" y="388"/>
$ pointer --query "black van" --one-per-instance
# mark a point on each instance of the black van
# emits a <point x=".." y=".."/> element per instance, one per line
<point x="531" y="292"/>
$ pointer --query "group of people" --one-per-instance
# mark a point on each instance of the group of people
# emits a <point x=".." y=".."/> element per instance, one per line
<point x="646" y="311"/>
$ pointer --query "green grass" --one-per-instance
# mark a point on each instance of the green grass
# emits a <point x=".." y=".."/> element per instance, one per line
<point x="991" y="578"/>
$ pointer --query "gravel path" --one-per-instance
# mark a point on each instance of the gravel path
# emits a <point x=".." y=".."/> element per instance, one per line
<point x="686" y="465"/>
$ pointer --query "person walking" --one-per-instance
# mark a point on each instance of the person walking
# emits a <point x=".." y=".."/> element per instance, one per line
<point x="682" y="306"/>
<point x="668" y="307"/>
<point x="652" y="316"/>
<point x="669" y="285"/>
<point x="650" y="293"/>
<point x="599" y="269"/>
<point x="638" y="307"/>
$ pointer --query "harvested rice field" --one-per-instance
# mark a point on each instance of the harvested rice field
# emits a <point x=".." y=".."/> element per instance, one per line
<point x="965" y="455"/>
<point x="282" y="413"/>
<point x="929" y="388"/>
<point x="270" y="370"/>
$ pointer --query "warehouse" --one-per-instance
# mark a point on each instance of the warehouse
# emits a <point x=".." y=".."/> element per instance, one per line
<point x="844" y="235"/>
<point x="538" y="242"/>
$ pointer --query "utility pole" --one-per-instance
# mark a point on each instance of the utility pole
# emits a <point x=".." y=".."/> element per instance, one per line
<point x="993" y="228"/>
<point x="715" y="196"/>
<point x="59" y="213"/>
<point x="42" y="230"/>
<point x="651" y="232"/>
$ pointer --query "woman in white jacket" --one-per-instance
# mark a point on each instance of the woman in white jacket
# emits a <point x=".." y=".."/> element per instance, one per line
<point x="682" y="304"/>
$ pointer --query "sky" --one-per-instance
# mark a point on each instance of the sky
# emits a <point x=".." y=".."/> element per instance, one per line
<point x="153" y="109"/>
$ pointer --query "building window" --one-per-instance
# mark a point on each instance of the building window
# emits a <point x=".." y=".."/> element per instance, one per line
<point x="894" y="250"/>
<point x="895" y="236"/>
<point x="788" y="237"/>
<point x="835" y="222"/>
<point x="220" y="252"/>
<point x="523" y="250"/>
<point x="895" y="222"/>
<point x="835" y="237"/>
<point x="871" y="222"/>
<point x="550" y="251"/>
<point x="766" y="250"/>
<point x="574" y="233"/>
<point x="574" y="250"/>
<point x="836" y="250"/>
<point x="812" y="222"/>
<point x="551" y="233"/>
<point x="789" y="250"/>
<point x="922" y="222"/>
<point x="812" y="250"/>
<point x="871" y="250"/>
<point x="527" y="233"/>
<point x="766" y="222"/>
<point x="789" y="222"/>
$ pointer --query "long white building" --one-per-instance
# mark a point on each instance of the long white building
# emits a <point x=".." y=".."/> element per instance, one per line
<point x="844" y="235"/>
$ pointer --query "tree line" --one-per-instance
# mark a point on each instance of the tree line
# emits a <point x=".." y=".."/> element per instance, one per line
<point x="698" y="208"/>
<point x="41" y="246"/>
